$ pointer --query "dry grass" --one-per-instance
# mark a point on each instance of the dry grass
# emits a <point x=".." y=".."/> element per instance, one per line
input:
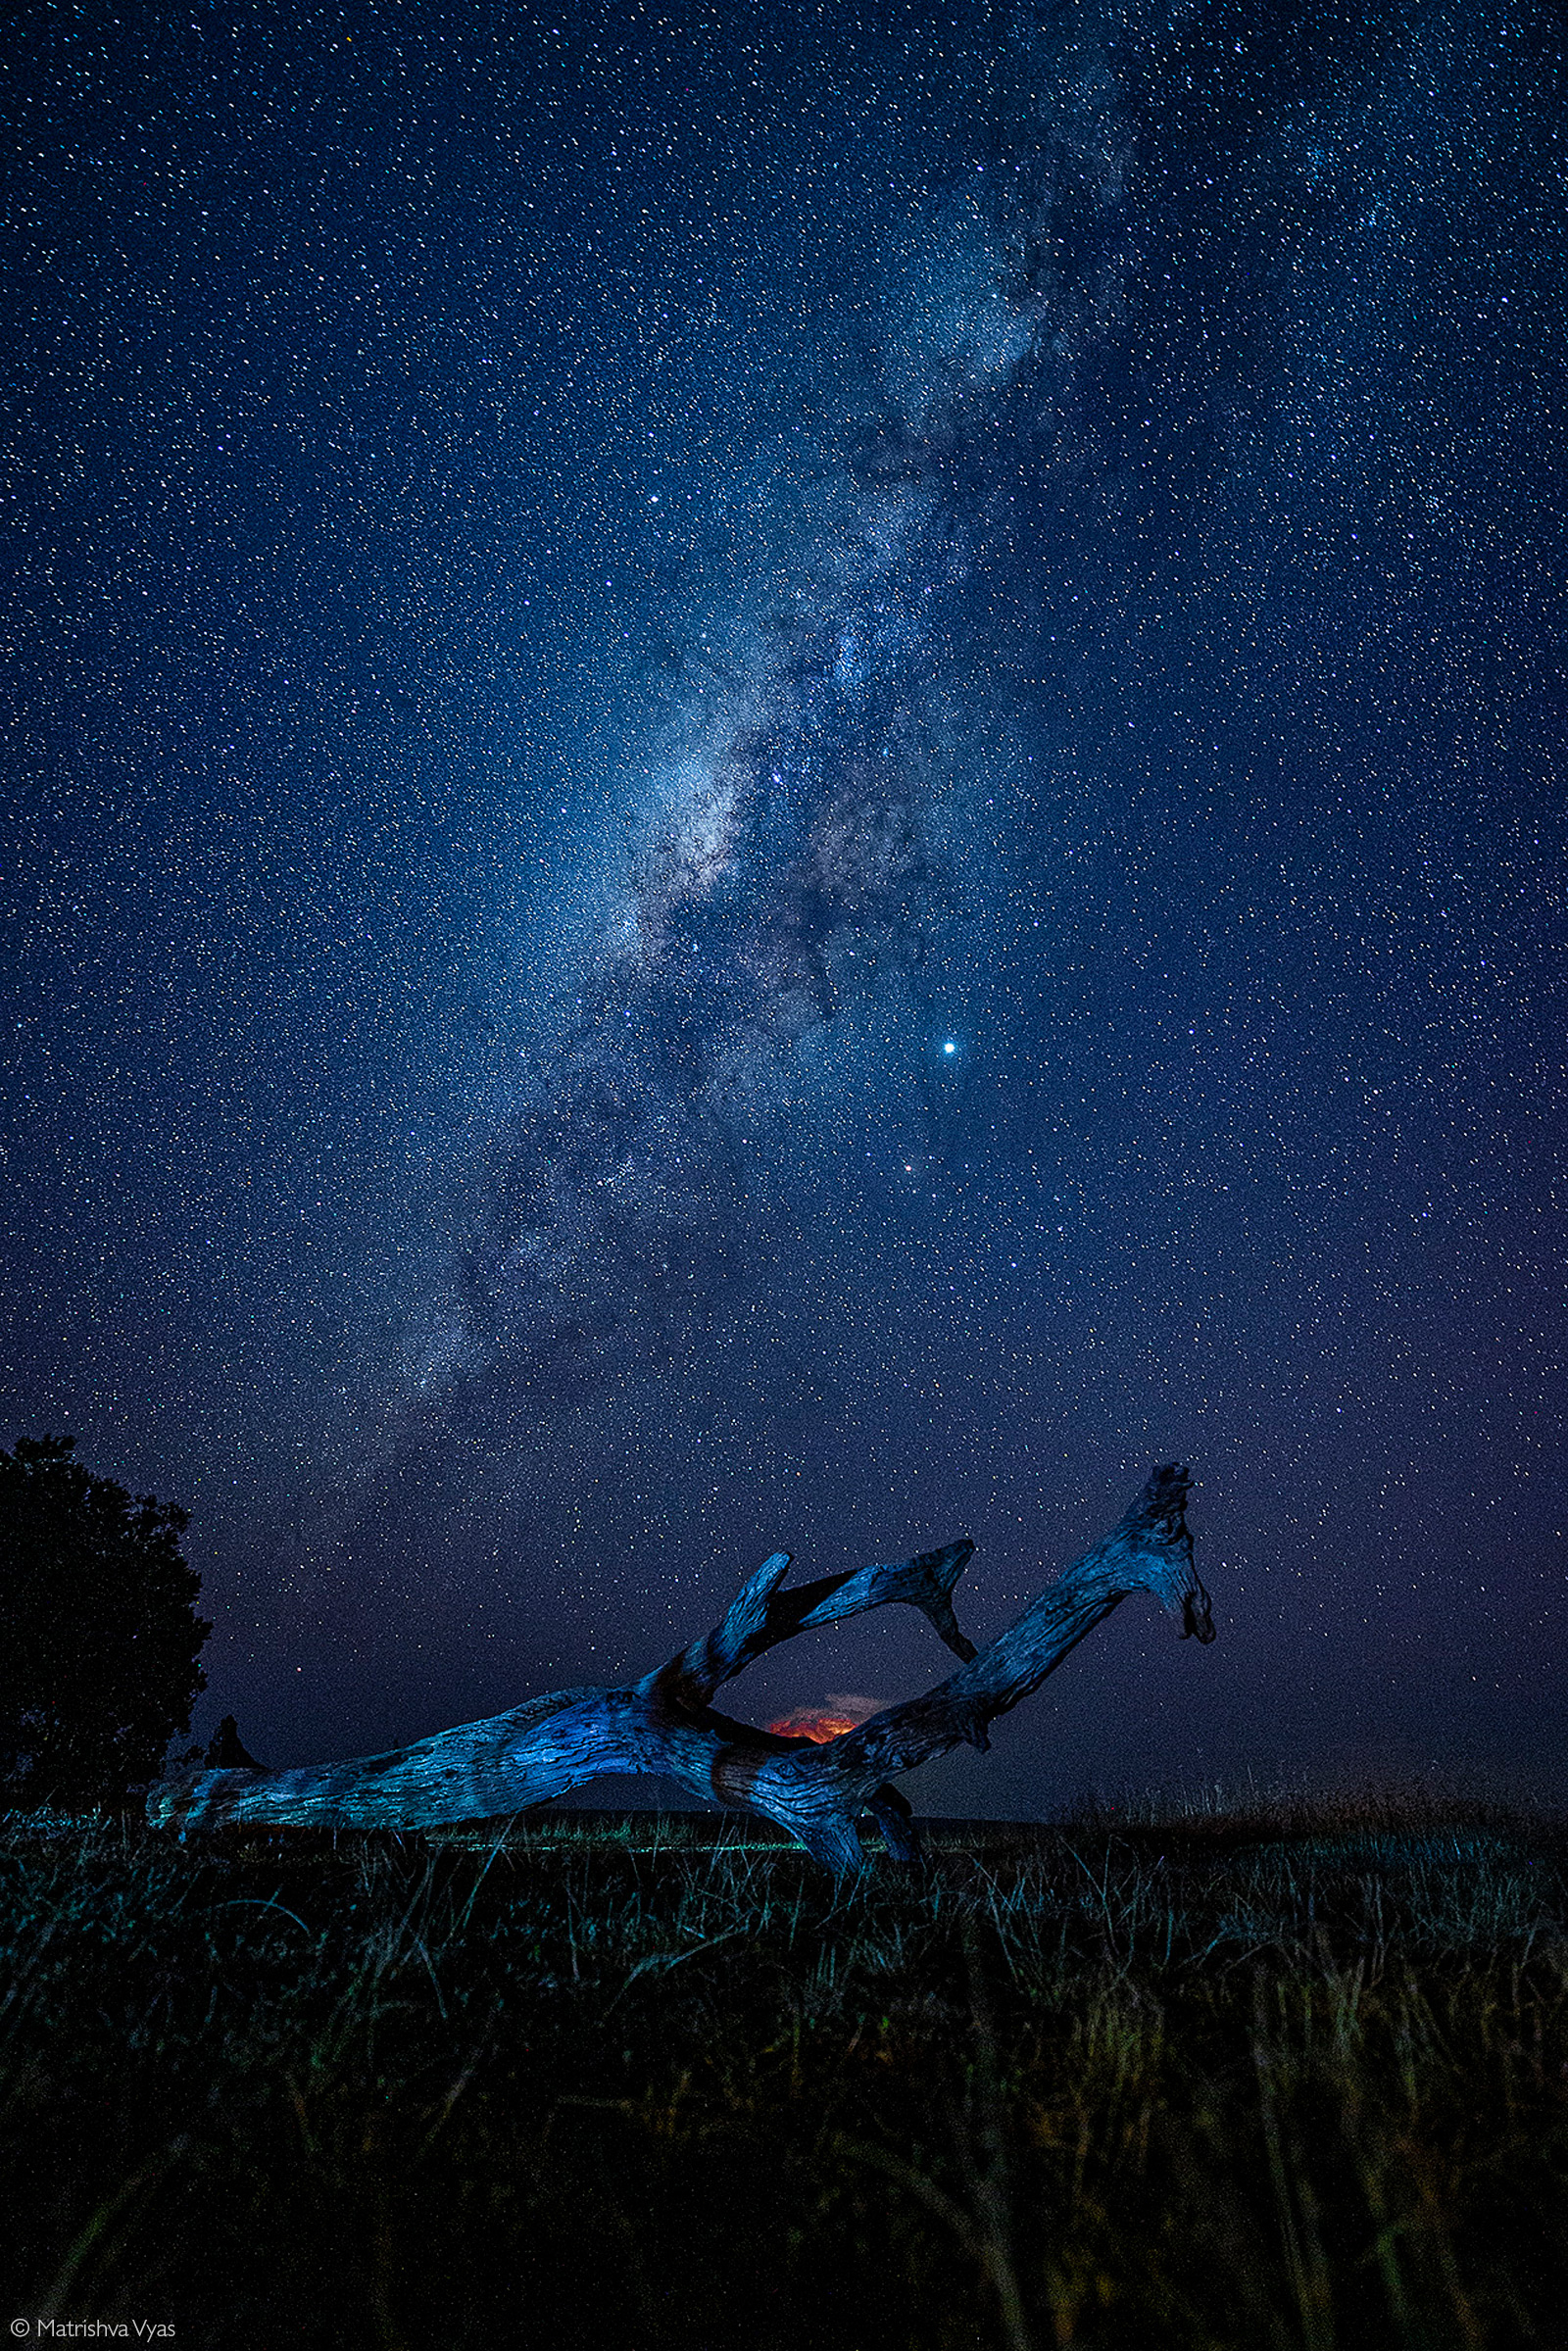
<point x="1297" y="2078"/>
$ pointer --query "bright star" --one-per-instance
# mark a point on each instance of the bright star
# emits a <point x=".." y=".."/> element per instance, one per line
<point x="948" y="1046"/>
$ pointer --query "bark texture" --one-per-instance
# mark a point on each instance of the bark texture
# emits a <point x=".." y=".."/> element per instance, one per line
<point x="666" y="1724"/>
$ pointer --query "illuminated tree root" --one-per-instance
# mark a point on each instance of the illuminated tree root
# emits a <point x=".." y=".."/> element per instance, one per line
<point x="666" y="1724"/>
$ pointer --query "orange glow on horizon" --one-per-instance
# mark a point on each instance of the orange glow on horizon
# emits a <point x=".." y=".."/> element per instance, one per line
<point x="803" y="1724"/>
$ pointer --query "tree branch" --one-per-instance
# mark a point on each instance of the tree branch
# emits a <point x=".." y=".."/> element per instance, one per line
<point x="666" y="1723"/>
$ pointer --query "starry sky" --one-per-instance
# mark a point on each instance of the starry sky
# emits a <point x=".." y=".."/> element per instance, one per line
<point x="779" y="777"/>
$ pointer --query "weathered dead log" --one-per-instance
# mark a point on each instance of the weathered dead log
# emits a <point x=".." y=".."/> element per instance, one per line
<point x="667" y="1725"/>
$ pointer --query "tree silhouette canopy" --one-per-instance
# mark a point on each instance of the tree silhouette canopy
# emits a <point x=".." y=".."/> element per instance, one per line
<point x="99" y="1634"/>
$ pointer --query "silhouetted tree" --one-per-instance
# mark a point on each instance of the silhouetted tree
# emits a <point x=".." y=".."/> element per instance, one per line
<point x="226" y="1751"/>
<point x="99" y="1634"/>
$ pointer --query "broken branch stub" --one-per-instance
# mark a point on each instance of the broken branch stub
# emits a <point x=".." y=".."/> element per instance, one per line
<point x="667" y="1725"/>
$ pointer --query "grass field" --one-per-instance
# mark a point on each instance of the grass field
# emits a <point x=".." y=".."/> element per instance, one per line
<point x="1299" y="2079"/>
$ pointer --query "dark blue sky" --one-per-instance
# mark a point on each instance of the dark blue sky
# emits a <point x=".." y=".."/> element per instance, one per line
<point x="780" y="779"/>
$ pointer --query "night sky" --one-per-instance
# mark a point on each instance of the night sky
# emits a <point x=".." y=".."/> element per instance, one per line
<point x="783" y="779"/>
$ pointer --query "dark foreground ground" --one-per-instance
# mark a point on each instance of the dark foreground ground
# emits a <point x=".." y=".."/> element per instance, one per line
<point x="1293" y="2080"/>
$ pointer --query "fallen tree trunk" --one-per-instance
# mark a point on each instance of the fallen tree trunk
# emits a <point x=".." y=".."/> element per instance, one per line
<point x="667" y="1725"/>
